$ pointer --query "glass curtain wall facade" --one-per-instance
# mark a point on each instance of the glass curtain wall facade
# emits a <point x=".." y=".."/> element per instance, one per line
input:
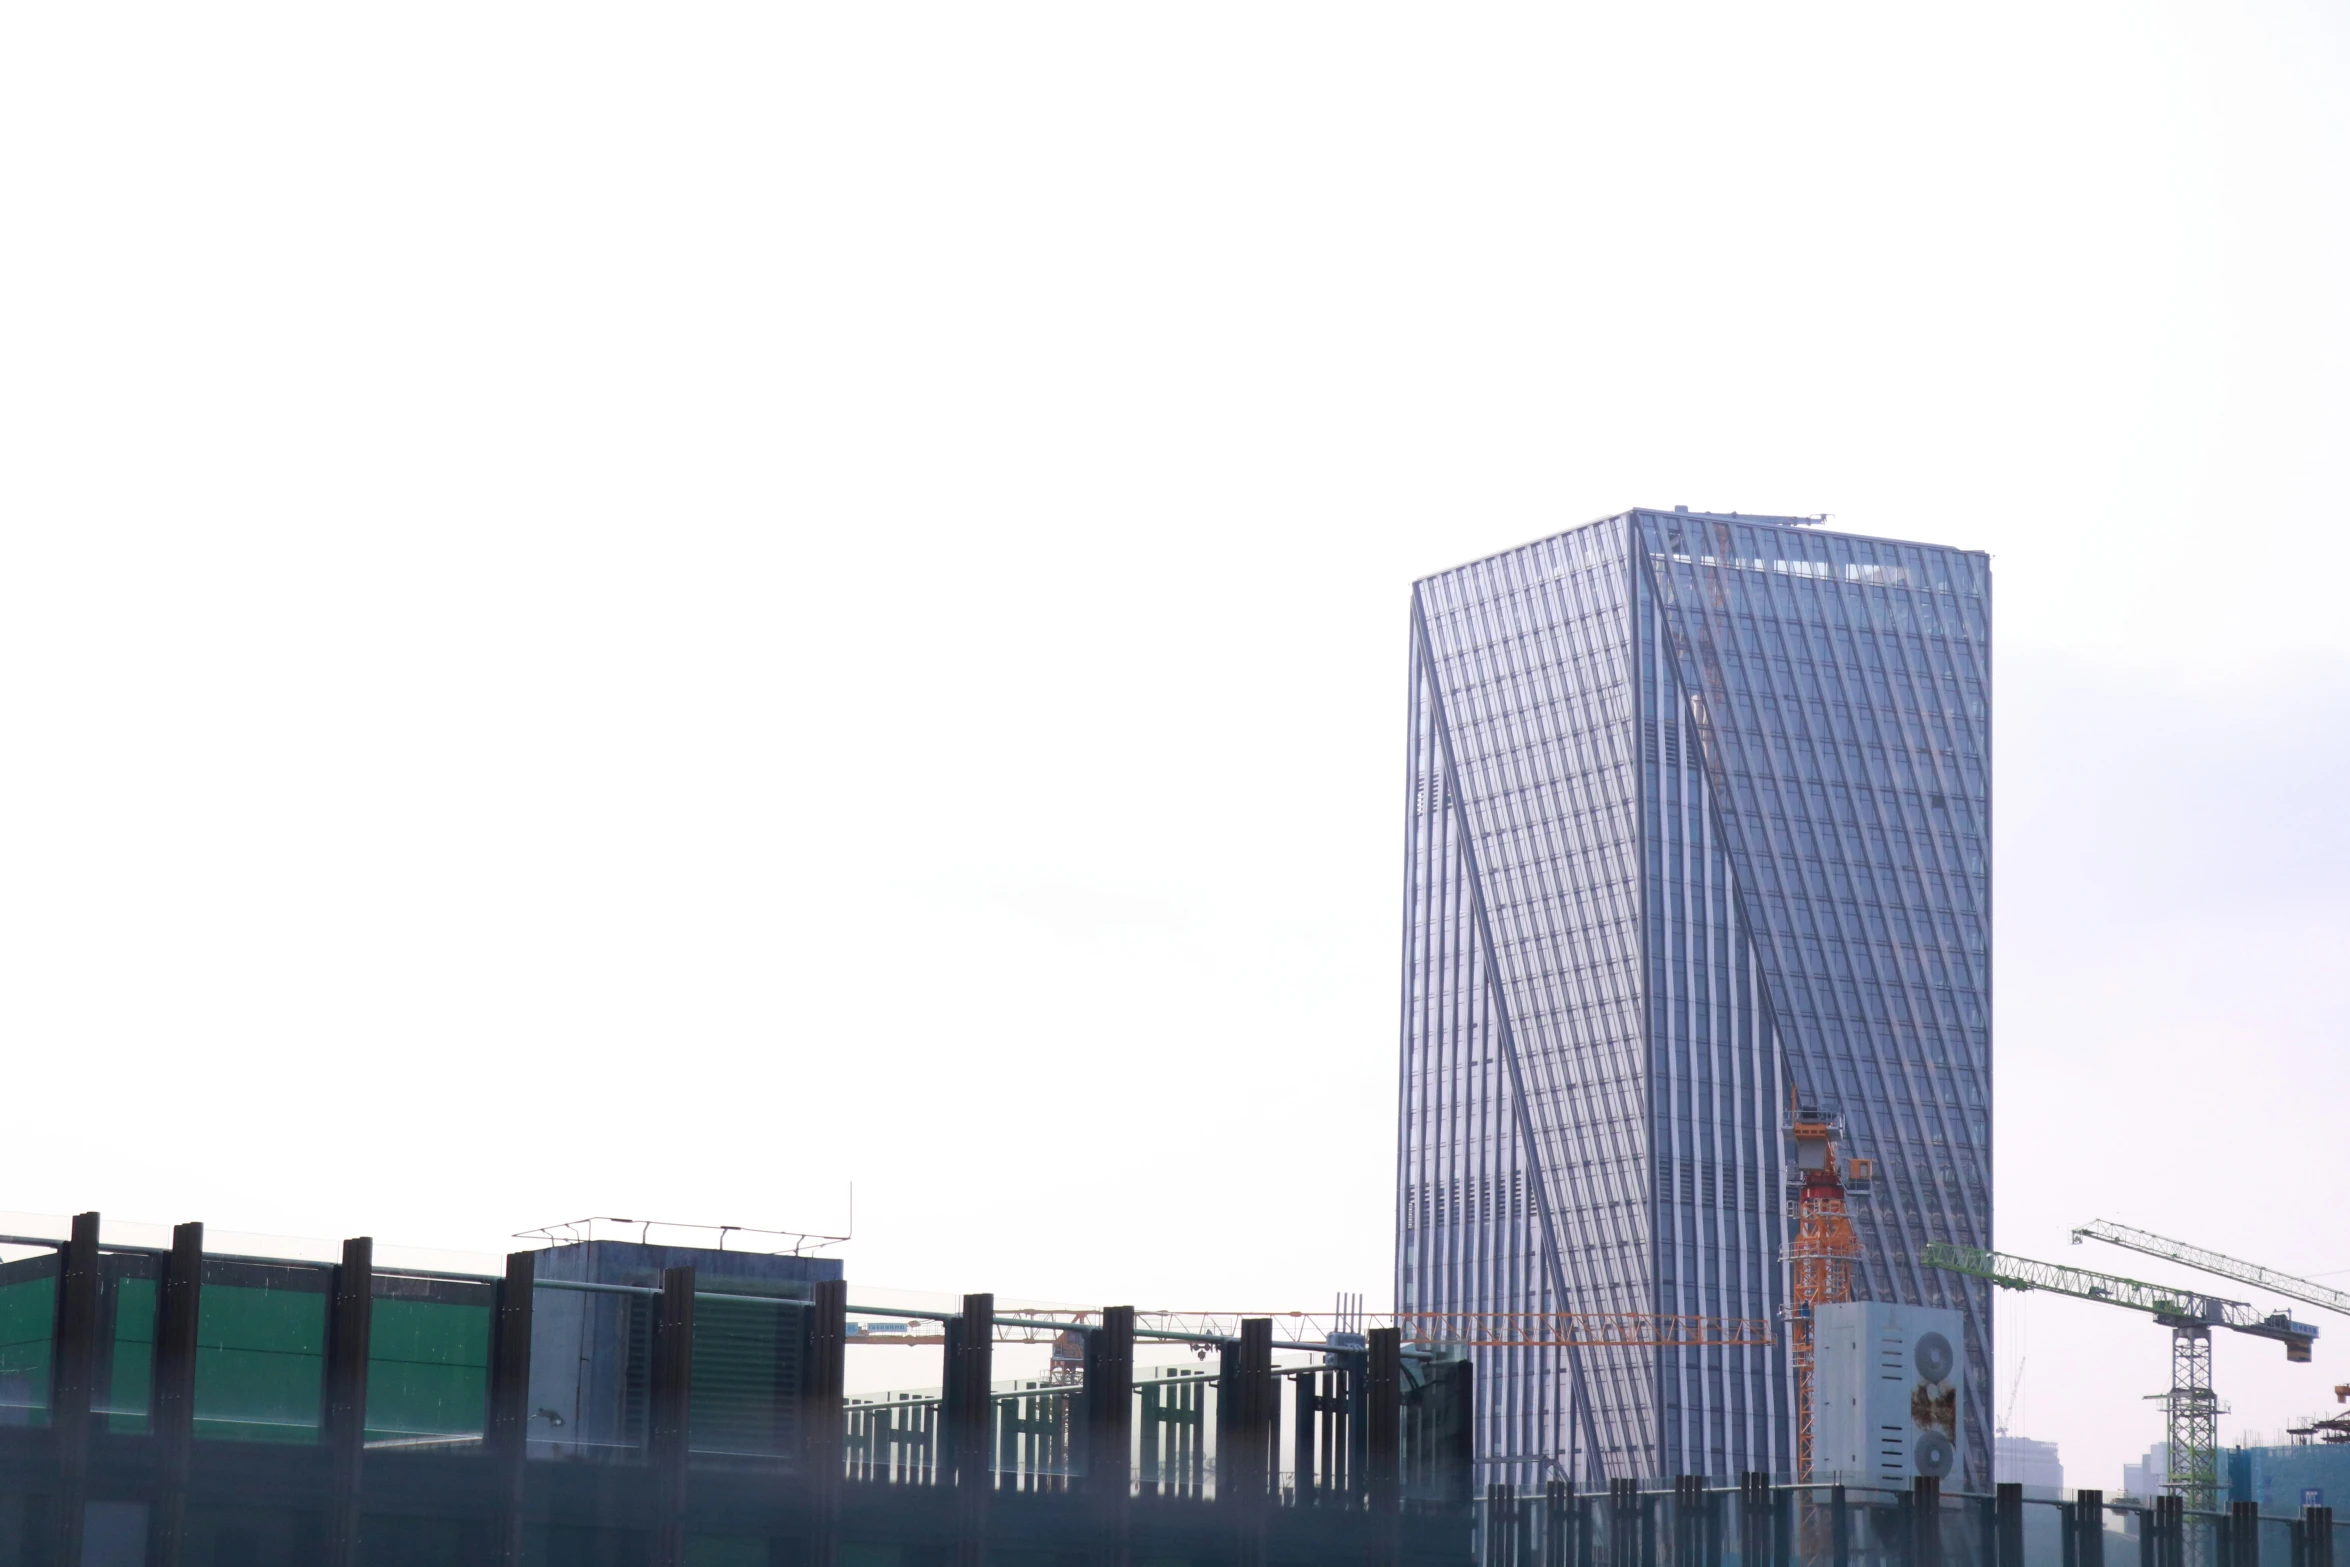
<point x="1699" y="818"/>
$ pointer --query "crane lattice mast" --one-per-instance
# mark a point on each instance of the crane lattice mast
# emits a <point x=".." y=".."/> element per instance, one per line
<point x="2204" y="1260"/>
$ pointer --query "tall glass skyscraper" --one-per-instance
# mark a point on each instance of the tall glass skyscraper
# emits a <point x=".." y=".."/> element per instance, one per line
<point x="1699" y="819"/>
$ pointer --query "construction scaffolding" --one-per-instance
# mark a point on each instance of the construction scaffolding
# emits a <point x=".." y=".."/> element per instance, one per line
<point x="1819" y="1263"/>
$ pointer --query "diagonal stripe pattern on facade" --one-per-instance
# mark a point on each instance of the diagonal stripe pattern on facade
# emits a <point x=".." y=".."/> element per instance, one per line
<point x="1698" y="815"/>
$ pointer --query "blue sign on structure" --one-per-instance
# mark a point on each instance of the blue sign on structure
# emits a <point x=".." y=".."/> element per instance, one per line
<point x="2313" y="1496"/>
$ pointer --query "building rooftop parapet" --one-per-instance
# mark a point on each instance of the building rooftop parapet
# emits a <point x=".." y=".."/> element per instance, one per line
<point x="1814" y="527"/>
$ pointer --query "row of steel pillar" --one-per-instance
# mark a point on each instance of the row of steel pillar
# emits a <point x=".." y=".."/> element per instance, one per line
<point x="2163" y="1538"/>
<point x="349" y="1322"/>
<point x="1248" y="1412"/>
<point x="1625" y="1527"/>
<point x="1248" y="1409"/>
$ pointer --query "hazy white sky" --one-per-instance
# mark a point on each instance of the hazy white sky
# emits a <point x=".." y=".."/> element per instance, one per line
<point x="652" y="612"/>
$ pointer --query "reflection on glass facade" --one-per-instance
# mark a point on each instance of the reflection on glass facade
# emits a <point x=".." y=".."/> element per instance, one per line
<point x="1699" y="817"/>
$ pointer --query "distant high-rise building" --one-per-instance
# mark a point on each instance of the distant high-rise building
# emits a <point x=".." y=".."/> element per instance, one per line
<point x="2018" y="1460"/>
<point x="1698" y="820"/>
<point x="2150" y="1475"/>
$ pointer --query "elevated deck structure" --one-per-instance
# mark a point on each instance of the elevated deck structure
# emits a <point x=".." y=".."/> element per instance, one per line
<point x="608" y="1401"/>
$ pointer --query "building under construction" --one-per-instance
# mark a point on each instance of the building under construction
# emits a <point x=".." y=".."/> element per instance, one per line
<point x="599" y="1402"/>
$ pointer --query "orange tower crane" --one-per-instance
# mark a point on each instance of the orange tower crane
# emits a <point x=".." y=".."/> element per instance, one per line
<point x="1820" y="1261"/>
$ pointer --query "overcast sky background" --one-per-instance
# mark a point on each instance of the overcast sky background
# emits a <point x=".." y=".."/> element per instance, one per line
<point x="613" y="611"/>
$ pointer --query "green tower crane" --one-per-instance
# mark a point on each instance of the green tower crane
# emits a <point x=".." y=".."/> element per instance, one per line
<point x="2189" y="1314"/>
<point x="2204" y="1260"/>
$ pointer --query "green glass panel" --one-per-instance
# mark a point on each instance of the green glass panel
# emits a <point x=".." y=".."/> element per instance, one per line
<point x="725" y="1550"/>
<point x="737" y="1347"/>
<point x="260" y="1362"/>
<point x="28" y="1316"/>
<point x="130" y="1381"/>
<point x="428" y="1369"/>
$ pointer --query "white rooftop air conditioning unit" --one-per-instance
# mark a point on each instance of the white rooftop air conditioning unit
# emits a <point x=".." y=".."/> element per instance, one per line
<point x="1888" y="1393"/>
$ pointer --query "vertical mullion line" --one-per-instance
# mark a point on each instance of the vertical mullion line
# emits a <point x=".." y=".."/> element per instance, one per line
<point x="1420" y="966"/>
<point x="1728" y="1298"/>
<point x="1531" y="1432"/>
<point x="1911" y="883"/>
<point x="1716" y="1371"/>
<point x="1413" y="967"/>
<point x="1638" y="614"/>
<point x="1589" y="1112"/>
<point x="1887" y="894"/>
<point x="1460" y="1076"/>
<point x="1779" y="1385"/>
<point x="1542" y="1422"/>
<point x="1525" y="881"/>
<point x="1469" y="1046"/>
<point x="1763" y="633"/>
<point x="1745" y="1223"/>
<point x="1488" y="706"/>
<point x="1983" y="750"/>
<point x="1717" y="798"/>
<point x="1666" y="1077"/>
<point x="1510" y="643"/>
<point x="1444" y="1017"/>
<point x="1512" y="619"/>
<point x="1893" y="1070"/>
<point x="1655" y="1035"/>
<point x="1461" y="1041"/>
<point x="1697" y="1025"/>
<point x="1828" y="766"/>
<point x="1722" y="1133"/>
<point x="1923" y="1020"/>
<point x="1535" y="886"/>
<point x="1534" y="857"/>
<point x="1435" y="975"/>
<point x="1526" y="1437"/>
<point x="1695" y="1407"/>
<point x="1427" y="1006"/>
<point x="1771" y="1224"/>
<point x="1597" y="1221"/>
<point x="1673" y="1051"/>
<point x="1736" y="1093"/>
<point x="1620" y="986"/>
<point x="1762" y="1256"/>
<point x="1468" y="1078"/>
<point x="1625" y="895"/>
<point x="1445" y="1021"/>
<point x="1685" y="1025"/>
<point x="1540" y="796"/>
<point x="1635" y="1379"/>
<point x="1750" y="1297"/>
<point x="1440" y="1012"/>
<point x="1501" y="1022"/>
